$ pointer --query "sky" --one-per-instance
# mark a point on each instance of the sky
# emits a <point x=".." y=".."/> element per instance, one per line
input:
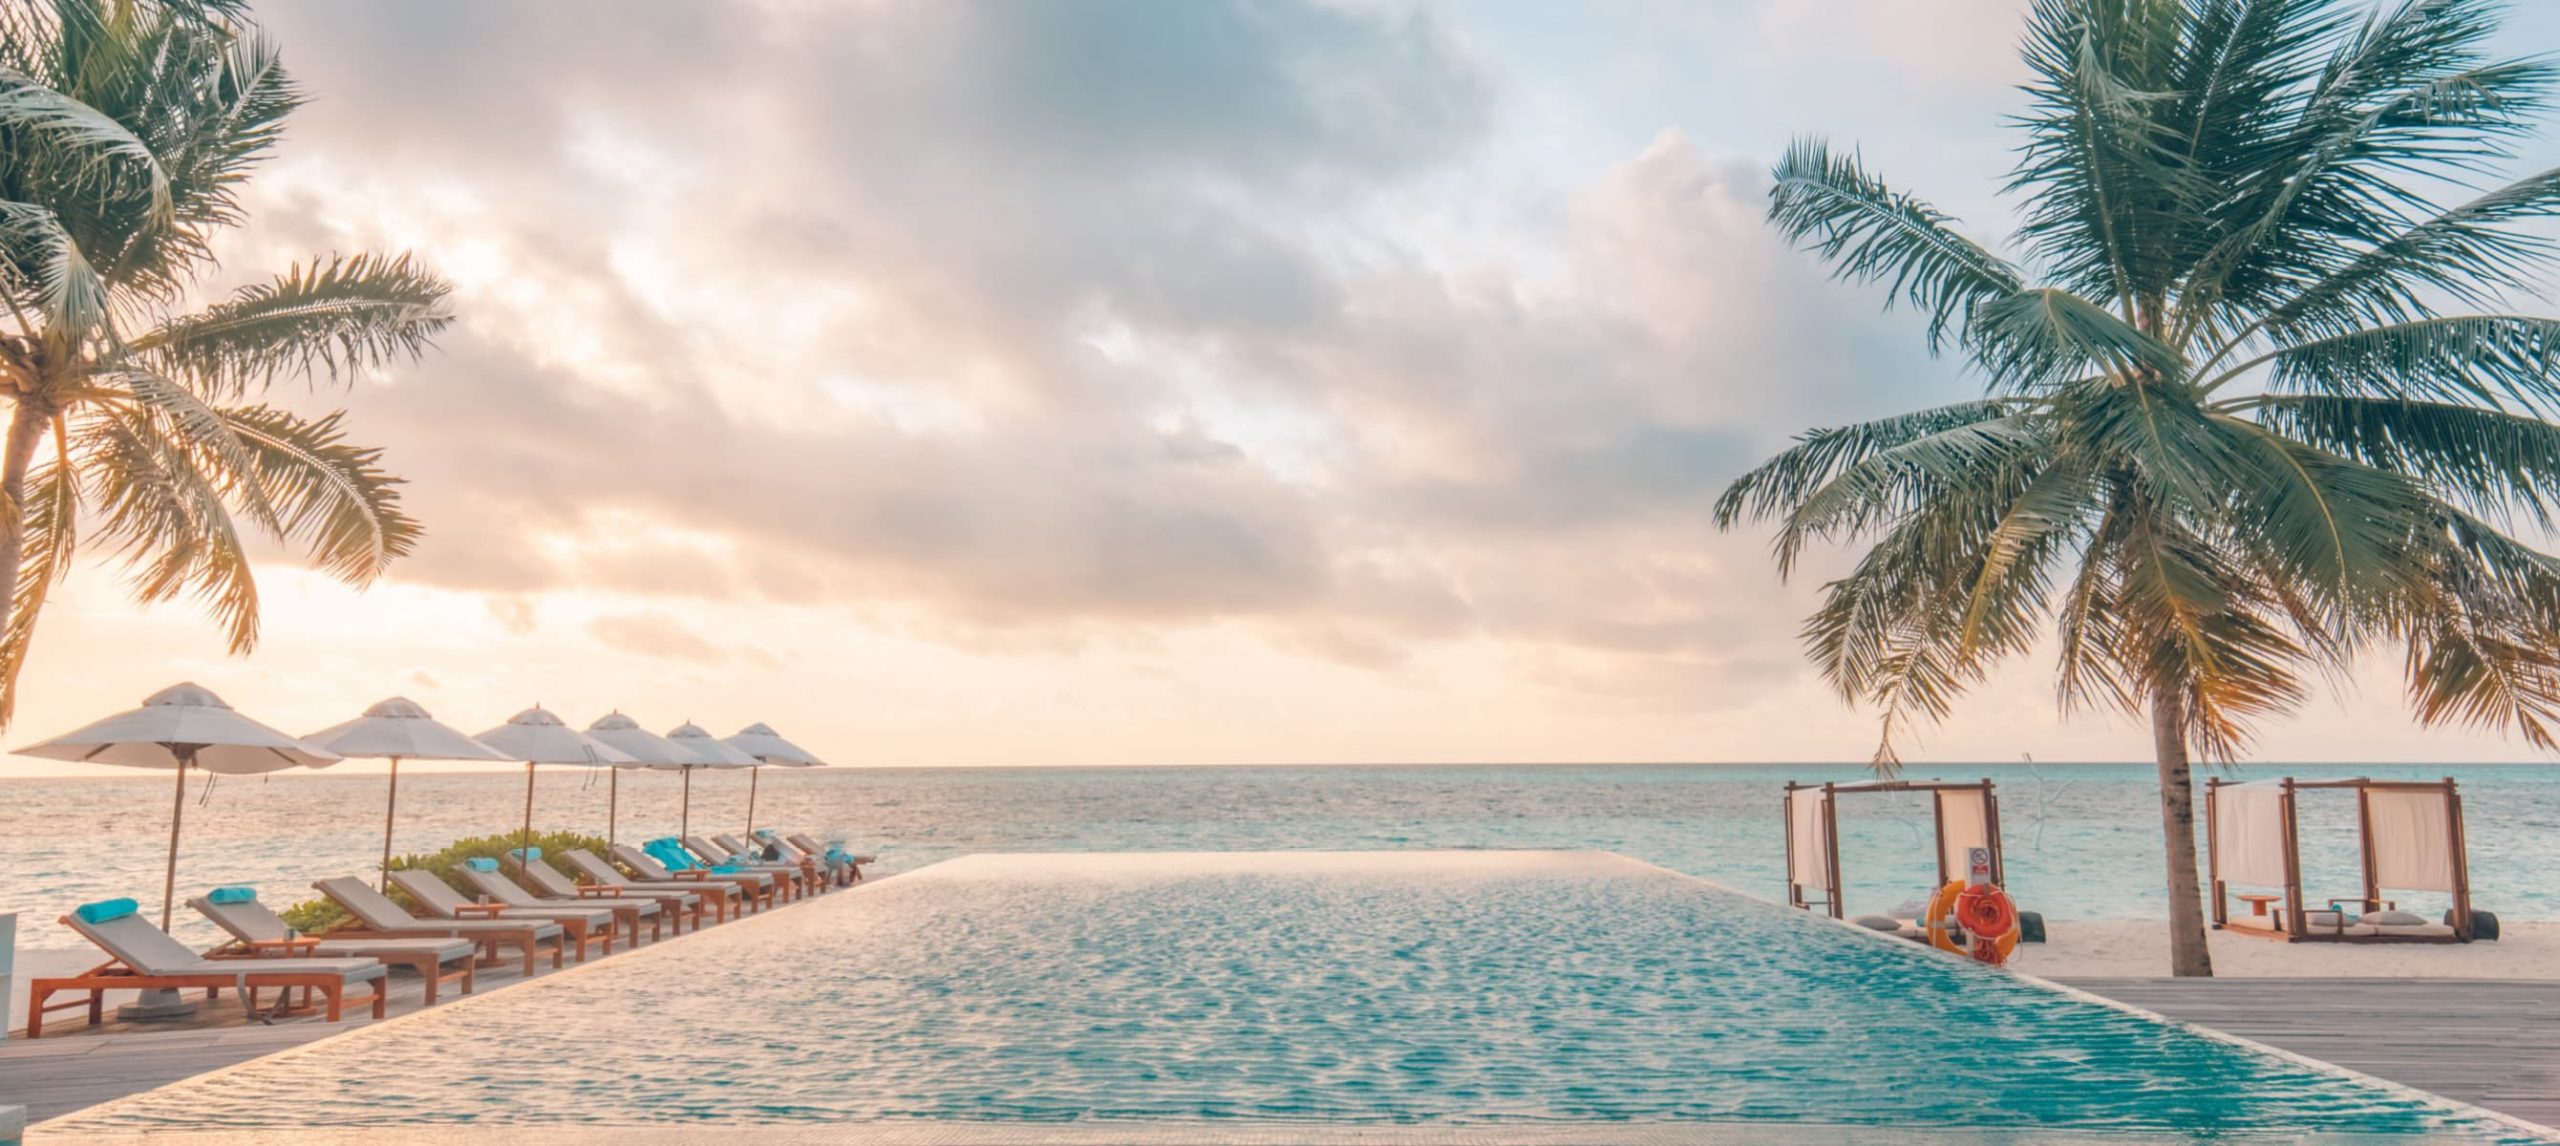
<point x="1084" y="382"/>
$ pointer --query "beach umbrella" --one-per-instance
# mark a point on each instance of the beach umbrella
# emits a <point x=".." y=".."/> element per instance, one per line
<point x="646" y="750"/>
<point x="396" y="730"/>
<point x="708" y="752"/>
<point x="537" y="737"/>
<point x="768" y="747"/>
<point x="181" y="727"/>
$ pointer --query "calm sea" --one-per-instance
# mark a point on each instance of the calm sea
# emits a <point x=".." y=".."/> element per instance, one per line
<point x="2082" y="840"/>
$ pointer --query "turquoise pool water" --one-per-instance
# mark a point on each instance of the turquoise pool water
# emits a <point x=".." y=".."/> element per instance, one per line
<point x="1419" y="988"/>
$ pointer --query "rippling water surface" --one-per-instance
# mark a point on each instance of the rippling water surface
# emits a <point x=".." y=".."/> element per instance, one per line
<point x="1474" y="987"/>
<point x="2083" y="841"/>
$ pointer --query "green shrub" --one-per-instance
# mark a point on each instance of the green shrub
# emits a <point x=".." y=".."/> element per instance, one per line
<point x="314" y="916"/>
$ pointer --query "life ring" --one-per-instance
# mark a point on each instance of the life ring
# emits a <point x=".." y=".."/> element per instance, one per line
<point x="1986" y="911"/>
<point x="1949" y="929"/>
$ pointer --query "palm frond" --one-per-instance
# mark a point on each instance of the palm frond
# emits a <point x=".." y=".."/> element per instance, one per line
<point x="2496" y="360"/>
<point x="1871" y="233"/>
<point x="2042" y="337"/>
<point x="1777" y="486"/>
<point x="166" y="520"/>
<point x="2491" y="462"/>
<point x="332" y="317"/>
<point x="333" y="499"/>
<point x="88" y="146"/>
<point x="71" y="299"/>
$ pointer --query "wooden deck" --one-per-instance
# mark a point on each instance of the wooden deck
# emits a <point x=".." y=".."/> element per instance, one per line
<point x="75" y="1066"/>
<point x="2492" y="1043"/>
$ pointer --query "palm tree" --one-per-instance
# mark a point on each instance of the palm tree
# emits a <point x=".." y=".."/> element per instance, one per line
<point x="126" y="130"/>
<point x="2240" y="422"/>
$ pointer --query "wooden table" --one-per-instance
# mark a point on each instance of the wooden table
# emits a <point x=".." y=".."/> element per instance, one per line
<point x="2258" y="903"/>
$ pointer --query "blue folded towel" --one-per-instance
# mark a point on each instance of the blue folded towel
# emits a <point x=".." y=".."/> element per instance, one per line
<point x="231" y="895"/>
<point x="727" y="869"/>
<point x="481" y="863"/>
<point x="105" y="910"/>
<point x="525" y="855"/>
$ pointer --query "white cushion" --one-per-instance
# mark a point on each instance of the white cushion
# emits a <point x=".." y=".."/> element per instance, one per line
<point x="1878" y="923"/>
<point x="2394" y="919"/>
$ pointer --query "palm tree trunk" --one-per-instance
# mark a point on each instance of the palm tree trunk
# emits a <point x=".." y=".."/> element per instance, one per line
<point x="2188" y="954"/>
<point x="28" y="420"/>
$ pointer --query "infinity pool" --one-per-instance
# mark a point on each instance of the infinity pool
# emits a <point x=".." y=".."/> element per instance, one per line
<point x="1466" y="990"/>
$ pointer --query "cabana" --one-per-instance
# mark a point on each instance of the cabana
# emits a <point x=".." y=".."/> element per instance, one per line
<point x="1967" y="814"/>
<point x="2410" y="833"/>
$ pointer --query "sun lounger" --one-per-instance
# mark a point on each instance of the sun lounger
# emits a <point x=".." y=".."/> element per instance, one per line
<point x="758" y="887"/>
<point x="607" y="880"/>
<point x="819" y="874"/>
<point x="585" y="926"/>
<point x="484" y="876"/>
<point x="722" y="896"/>
<point x="143" y="957"/>
<point x="846" y="865"/>
<point x="798" y="878"/>
<point x="673" y="906"/>
<point x="377" y="915"/>
<point x="257" y="933"/>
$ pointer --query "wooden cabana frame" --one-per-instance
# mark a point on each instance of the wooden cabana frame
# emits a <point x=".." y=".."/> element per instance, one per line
<point x="1825" y="834"/>
<point x="2292" y="925"/>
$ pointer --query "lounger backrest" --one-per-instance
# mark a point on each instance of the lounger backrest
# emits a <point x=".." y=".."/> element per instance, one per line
<point x="731" y="844"/>
<point x="549" y="881"/>
<point x="710" y="852"/>
<point x="802" y="841"/>
<point x="248" y="920"/>
<point x="140" y="945"/>
<point x="595" y="867"/>
<point x="640" y="862"/>
<point x="500" y="888"/>
<point x="423" y="886"/>
<point x="366" y="904"/>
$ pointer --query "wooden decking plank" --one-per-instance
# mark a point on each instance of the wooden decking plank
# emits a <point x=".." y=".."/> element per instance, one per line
<point x="2492" y="1043"/>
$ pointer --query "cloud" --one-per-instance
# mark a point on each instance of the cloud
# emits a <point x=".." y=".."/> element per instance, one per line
<point x="1065" y="325"/>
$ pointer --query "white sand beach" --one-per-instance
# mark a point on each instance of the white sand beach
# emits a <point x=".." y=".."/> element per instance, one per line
<point x="2140" y="948"/>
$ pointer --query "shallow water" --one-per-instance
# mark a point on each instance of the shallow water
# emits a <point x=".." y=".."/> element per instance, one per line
<point x="1483" y="987"/>
<point x="2082" y="841"/>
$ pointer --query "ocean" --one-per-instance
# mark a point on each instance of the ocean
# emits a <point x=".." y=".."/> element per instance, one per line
<point x="2082" y="841"/>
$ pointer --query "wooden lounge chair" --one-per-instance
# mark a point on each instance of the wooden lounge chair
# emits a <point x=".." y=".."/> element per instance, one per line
<point x="831" y="872"/>
<point x="143" y="957"/>
<point x="673" y="906"/>
<point x="758" y="887"/>
<point x="628" y="915"/>
<point x="584" y="926"/>
<point x="257" y="933"/>
<point x="721" y="896"/>
<point x="852" y="861"/>
<point x="798" y="878"/>
<point x="377" y="915"/>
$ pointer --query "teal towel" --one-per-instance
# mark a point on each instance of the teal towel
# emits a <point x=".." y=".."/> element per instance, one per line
<point x="481" y="863"/>
<point x="231" y="895"/>
<point x="525" y="855"/>
<point x="727" y="869"/>
<point x="105" y="910"/>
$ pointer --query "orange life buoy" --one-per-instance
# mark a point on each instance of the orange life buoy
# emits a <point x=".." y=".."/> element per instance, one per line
<point x="1986" y="911"/>
<point x="1957" y="908"/>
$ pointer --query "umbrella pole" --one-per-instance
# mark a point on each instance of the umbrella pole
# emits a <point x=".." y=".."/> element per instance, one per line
<point x="613" y="806"/>
<point x="177" y="814"/>
<point x="753" y="775"/>
<point x="382" y="882"/>
<point x="527" y="841"/>
<point x="684" y="819"/>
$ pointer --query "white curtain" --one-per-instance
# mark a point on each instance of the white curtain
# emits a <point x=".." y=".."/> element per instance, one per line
<point x="2412" y="843"/>
<point x="2248" y="833"/>
<point x="1964" y="822"/>
<point x="1806" y="820"/>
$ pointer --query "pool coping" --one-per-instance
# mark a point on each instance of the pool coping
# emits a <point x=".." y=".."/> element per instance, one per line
<point x="1243" y="1132"/>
